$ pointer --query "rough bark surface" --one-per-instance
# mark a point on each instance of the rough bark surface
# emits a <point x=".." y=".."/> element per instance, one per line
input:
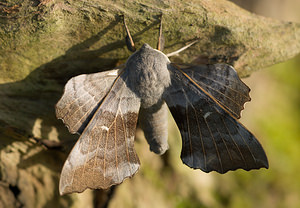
<point x="45" y="43"/>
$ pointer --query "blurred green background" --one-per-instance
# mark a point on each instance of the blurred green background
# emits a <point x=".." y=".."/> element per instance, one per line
<point x="273" y="116"/>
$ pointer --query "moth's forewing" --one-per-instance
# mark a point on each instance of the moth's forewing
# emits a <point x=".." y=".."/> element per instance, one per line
<point x="154" y="122"/>
<point x="223" y="83"/>
<point x="104" y="154"/>
<point x="82" y="96"/>
<point x="212" y="139"/>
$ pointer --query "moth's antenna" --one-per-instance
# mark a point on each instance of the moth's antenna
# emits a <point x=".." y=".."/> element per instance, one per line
<point x="128" y="38"/>
<point x="161" y="39"/>
<point x="181" y="49"/>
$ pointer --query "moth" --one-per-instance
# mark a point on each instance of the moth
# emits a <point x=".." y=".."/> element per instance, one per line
<point x="105" y="107"/>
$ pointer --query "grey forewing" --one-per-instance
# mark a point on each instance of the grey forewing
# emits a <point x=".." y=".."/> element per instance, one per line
<point x="222" y="82"/>
<point x="82" y="96"/>
<point x="104" y="154"/>
<point x="212" y="139"/>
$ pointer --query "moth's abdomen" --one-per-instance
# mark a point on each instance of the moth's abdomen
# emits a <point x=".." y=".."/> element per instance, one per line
<point x="154" y="122"/>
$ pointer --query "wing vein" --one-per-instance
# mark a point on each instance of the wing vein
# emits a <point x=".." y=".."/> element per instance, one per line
<point x="86" y="159"/>
<point x="87" y="112"/>
<point x="229" y="154"/>
<point x="215" y="144"/>
<point x="188" y="128"/>
<point x="234" y="142"/>
<point x="83" y="94"/>
<point x="97" y="148"/>
<point x="199" y="130"/>
<point x="220" y="83"/>
<point x="116" y="151"/>
<point x="233" y="101"/>
<point x="245" y="143"/>
<point x="215" y="74"/>
<point x="125" y="141"/>
<point x="202" y="143"/>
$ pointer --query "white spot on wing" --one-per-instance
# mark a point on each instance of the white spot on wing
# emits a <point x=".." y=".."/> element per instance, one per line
<point x="206" y="115"/>
<point x="105" y="128"/>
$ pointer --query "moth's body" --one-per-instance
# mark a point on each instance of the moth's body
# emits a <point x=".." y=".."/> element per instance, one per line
<point x="105" y="107"/>
<point x="148" y="77"/>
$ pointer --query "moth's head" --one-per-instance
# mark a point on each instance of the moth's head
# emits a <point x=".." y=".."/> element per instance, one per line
<point x="146" y="47"/>
<point x="149" y="52"/>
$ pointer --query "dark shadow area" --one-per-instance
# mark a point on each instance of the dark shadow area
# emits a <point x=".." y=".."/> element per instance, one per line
<point x="25" y="101"/>
<point x="225" y="52"/>
<point x="36" y="95"/>
<point x="31" y="102"/>
<point x="103" y="202"/>
<point x="216" y="47"/>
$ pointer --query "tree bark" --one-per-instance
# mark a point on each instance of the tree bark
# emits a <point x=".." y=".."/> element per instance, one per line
<point x="45" y="43"/>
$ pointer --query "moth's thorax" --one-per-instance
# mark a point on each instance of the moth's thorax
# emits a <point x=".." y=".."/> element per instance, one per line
<point x="148" y="74"/>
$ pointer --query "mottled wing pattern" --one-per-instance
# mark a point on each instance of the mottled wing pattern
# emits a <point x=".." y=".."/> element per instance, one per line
<point x="104" y="154"/>
<point x="211" y="138"/>
<point x="223" y="83"/>
<point x="82" y="96"/>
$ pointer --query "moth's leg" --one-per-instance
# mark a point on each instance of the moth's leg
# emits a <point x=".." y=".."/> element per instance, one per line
<point x="181" y="49"/>
<point x="128" y="38"/>
<point x="161" y="38"/>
